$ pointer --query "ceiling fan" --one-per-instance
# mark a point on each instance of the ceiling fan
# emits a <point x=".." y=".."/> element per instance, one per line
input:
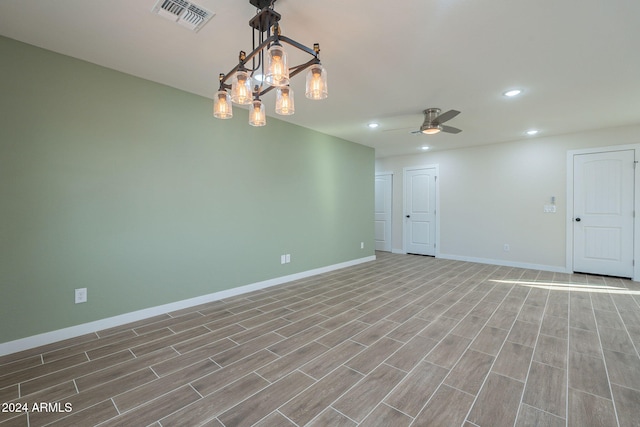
<point x="433" y="122"/>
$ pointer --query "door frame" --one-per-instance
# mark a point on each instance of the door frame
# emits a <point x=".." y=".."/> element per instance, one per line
<point x="636" y="204"/>
<point x="404" y="204"/>
<point x="391" y="209"/>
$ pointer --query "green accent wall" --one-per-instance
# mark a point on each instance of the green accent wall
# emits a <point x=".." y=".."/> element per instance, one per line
<point x="133" y="190"/>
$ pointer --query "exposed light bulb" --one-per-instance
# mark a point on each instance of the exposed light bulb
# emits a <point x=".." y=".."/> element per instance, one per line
<point x="284" y="101"/>
<point x="222" y="108"/>
<point x="241" y="88"/>
<point x="316" y="87"/>
<point x="257" y="115"/>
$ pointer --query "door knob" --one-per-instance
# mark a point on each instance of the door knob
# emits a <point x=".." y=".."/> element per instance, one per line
<point x="408" y="216"/>
<point x="578" y="219"/>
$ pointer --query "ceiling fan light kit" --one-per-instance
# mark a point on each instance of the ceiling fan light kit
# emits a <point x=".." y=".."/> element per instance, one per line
<point x="266" y="68"/>
<point x="433" y="122"/>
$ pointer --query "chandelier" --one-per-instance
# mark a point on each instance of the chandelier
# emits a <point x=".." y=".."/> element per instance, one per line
<point x="266" y="68"/>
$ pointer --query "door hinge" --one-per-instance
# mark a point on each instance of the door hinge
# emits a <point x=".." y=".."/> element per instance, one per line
<point x="635" y="163"/>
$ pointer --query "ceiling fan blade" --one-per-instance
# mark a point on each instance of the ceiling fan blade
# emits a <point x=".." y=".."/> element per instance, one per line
<point x="395" y="129"/>
<point x="446" y="116"/>
<point x="450" y="129"/>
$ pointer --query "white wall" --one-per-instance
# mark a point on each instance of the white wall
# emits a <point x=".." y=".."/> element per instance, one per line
<point x="495" y="194"/>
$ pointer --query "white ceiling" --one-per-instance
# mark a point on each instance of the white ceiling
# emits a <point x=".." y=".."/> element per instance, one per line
<point x="576" y="60"/>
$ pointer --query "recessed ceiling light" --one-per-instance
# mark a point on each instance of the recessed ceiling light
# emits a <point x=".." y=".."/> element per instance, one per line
<point x="424" y="148"/>
<point x="512" y="92"/>
<point x="373" y="125"/>
<point x="531" y="132"/>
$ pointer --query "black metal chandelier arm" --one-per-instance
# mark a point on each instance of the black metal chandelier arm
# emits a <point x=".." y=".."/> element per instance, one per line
<point x="241" y="64"/>
<point x="297" y="45"/>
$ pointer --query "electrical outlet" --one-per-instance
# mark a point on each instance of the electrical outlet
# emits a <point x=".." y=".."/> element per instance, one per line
<point x="283" y="259"/>
<point x="361" y="245"/>
<point x="287" y="258"/>
<point x="506" y="247"/>
<point x="81" y="295"/>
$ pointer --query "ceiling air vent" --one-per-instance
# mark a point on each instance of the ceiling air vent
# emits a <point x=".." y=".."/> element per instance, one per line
<point x="184" y="13"/>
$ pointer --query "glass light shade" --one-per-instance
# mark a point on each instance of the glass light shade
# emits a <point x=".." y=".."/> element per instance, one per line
<point x="241" y="92"/>
<point x="277" y="71"/>
<point x="257" y="116"/>
<point x="222" y="107"/>
<point x="431" y="130"/>
<point x="316" y="87"/>
<point x="284" y="101"/>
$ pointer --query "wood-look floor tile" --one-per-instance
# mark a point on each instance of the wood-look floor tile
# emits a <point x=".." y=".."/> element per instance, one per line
<point x="331" y="417"/>
<point x="102" y="376"/>
<point x="312" y="401"/>
<point x="358" y="402"/>
<point x="502" y="319"/>
<point x="315" y="328"/>
<point x="616" y="340"/>
<point x="447" y="352"/>
<point x="417" y="388"/>
<point x="375" y="354"/>
<point x="257" y="331"/>
<point x="265" y="401"/>
<point x="524" y="333"/>
<point x="546" y="389"/>
<point x="588" y="410"/>
<point x="294" y="342"/>
<point x="497" y="403"/>
<point x="128" y="343"/>
<point x="375" y="332"/>
<point x="286" y="364"/>
<point x="384" y="415"/>
<point x="408" y="329"/>
<point x="439" y="328"/>
<point x="448" y="407"/>
<point x="408" y="356"/>
<point x="138" y="396"/>
<point x="489" y="340"/>
<point x="552" y="351"/>
<point x="228" y="374"/>
<point x="588" y="374"/>
<point x="9" y="378"/>
<point x="470" y="371"/>
<point x="343" y="333"/>
<point x="215" y="403"/>
<point x="53" y="394"/>
<point x="555" y="326"/>
<point x="92" y="397"/>
<point x="156" y="409"/>
<point x="129" y="326"/>
<point x="296" y="327"/>
<point x="582" y="318"/>
<point x="166" y="323"/>
<point x="583" y="341"/>
<point x="608" y="319"/>
<point x="274" y="419"/>
<point x="241" y="351"/>
<point x="627" y="402"/>
<point x="330" y="360"/>
<point x="207" y="338"/>
<point x="91" y="416"/>
<point x="468" y="327"/>
<point x="624" y="369"/>
<point x="529" y="416"/>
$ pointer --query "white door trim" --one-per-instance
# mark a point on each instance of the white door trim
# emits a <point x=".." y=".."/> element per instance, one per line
<point x="405" y="208"/>
<point x="569" y="218"/>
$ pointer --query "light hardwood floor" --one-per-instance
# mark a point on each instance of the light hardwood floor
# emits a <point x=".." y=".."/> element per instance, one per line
<point x="403" y="340"/>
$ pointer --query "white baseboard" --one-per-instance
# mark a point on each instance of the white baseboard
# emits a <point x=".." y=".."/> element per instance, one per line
<point x="110" y="322"/>
<point x="515" y="264"/>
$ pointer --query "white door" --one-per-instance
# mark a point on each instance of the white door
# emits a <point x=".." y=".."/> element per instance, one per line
<point x="420" y="211"/>
<point x="603" y="213"/>
<point x="382" y="215"/>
